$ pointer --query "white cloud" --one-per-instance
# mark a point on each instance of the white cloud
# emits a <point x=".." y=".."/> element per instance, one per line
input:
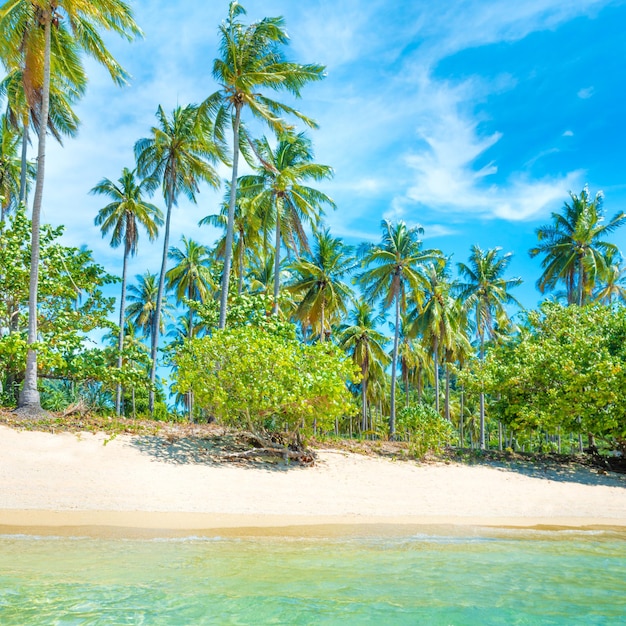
<point x="568" y="133"/>
<point x="586" y="93"/>
<point x="449" y="28"/>
<point x="446" y="178"/>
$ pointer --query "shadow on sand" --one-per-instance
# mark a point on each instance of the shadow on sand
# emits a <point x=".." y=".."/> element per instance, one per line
<point x="215" y="450"/>
<point x="564" y="469"/>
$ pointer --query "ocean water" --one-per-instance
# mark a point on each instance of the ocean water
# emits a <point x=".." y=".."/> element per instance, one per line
<point x="503" y="577"/>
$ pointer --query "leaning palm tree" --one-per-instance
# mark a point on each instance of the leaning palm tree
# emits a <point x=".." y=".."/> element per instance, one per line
<point x="395" y="272"/>
<point x="191" y="276"/>
<point x="485" y="292"/>
<point x="319" y="281"/>
<point x="21" y="18"/>
<point x="280" y="191"/>
<point x="366" y="345"/>
<point x="122" y="218"/>
<point x="179" y="155"/>
<point x="575" y="247"/>
<point x="251" y="61"/>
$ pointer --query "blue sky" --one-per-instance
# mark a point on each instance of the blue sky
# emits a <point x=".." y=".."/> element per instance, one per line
<point x="471" y="118"/>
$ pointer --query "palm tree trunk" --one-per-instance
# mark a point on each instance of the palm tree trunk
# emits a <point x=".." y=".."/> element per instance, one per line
<point x="29" y="397"/>
<point x="482" y="397"/>
<point x="436" y="362"/>
<point x="156" y="327"/>
<point x="420" y="389"/>
<point x="447" y="407"/>
<point x="405" y="376"/>
<point x="240" y="271"/>
<point x="364" y="404"/>
<point x="581" y="277"/>
<point x="461" y="418"/>
<point x="394" y="363"/>
<point x="230" y="226"/>
<point x="322" y="322"/>
<point x="276" y="263"/>
<point x="120" y="340"/>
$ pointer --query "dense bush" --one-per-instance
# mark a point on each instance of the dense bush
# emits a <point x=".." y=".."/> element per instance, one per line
<point x="565" y="370"/>
<point x="266" y="382"/>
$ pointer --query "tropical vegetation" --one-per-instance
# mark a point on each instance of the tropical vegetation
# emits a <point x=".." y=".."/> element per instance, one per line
<point x="388" y="340"/>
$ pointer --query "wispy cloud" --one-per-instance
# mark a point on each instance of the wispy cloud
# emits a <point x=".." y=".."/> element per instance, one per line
<point x="586" y="93"/>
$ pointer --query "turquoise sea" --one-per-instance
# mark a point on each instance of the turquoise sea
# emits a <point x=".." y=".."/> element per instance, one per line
<point x="485" y="577"/>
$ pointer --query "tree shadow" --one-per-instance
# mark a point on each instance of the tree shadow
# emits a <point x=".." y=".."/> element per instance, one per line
<point x="214" y="450"/>
<point x="558" y="468"/>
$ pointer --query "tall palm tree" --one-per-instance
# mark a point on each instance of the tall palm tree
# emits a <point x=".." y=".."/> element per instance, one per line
<point x="23" y="55"/>
<point x="395" y="272"/>
<point x="122" y="218"/>
<point x="191" y="276"/>
<point x="251" y="61"/>
<point x="485" y="292"/>
<point x="84" y="18"/>
<point x="179" y="155"/>
<point x="318" y="280"/>
<point x="281" y="192"/>
<point x="366" y="345"/>
<point x="574" y="246"/>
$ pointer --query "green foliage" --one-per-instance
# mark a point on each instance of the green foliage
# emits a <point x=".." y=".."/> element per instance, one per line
<point x="426" y="430"/>
<point x="566" y="369"/>
<point x="245" y="310"/>
<point x="267" y="382"/>
<point x="71" y="305"/>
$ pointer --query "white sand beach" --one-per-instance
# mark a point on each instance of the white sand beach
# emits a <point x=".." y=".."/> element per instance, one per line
<point x="64" y="481"/>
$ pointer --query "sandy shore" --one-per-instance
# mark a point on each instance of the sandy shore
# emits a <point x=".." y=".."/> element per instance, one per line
<point x="64" y="482"/>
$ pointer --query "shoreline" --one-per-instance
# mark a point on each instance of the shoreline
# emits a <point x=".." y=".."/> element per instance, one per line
<point x="169" y="524"/>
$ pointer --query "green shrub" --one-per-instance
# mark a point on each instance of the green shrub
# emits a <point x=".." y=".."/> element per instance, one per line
<point x="267" y="382"/>
<point x="425" y="429"/>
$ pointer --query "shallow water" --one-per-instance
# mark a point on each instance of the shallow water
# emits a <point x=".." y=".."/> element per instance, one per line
<point x="507" y="577"/>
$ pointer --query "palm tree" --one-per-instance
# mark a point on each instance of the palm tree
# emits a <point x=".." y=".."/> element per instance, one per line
<point x="319" y="282"/>
<point x="21" y="18"/>
<point x="24" y="95"/>
<point x="283" y="195"/>
<point x="437" y="319"/>
<point x="366" y="346"/>
<point x="613" y="281"/>
<point x="191" y="276"/>
<point x="179" y="155"/>
<point x="251" y="61"/>
<point x="574" y="246"/>
<point x="141" y="311"/>
<point x="247" y="228"/>
<point x="23" y="55"/>
<point x="485" y="292"/>
<point x="9" y="168"/>
<point x="395" y="271"/>
<point x="122" y="218"/>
